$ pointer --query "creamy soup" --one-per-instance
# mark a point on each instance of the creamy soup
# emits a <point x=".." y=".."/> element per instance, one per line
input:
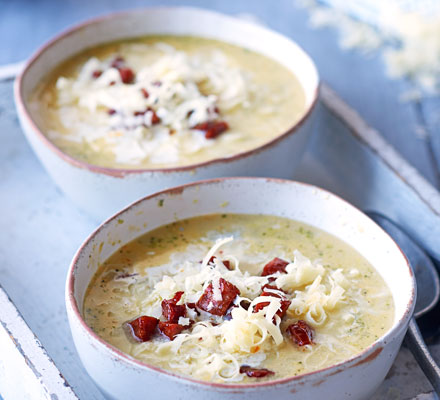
<point x="238" y="298"/>
<point x="166" y="101"/>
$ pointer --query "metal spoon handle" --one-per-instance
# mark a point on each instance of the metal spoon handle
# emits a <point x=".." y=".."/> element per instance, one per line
<point x="417" y="345"/>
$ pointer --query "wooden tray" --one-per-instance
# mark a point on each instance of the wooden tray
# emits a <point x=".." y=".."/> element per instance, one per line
<point x="40" y="230"/>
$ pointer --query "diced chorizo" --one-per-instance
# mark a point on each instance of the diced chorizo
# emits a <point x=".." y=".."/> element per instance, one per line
<point x="142" y="328"/>
<point x="280" y="295"/>
<point x="226" y="263"/>
<point x="301" y="333"/>
<point x="255" y="372"/>
<point x="170" y="329"/>
<point x="96" y="73"/>
<point x="154" y="118"/>
<point x="218" y="307"/>
<point x="212" y="129"/>
<point x="276" y="265"/>
<point x="145" y="93"/>
<point x="126" y="74"/>
<point x="281" y="311"/>
<point x="171" y="311"/>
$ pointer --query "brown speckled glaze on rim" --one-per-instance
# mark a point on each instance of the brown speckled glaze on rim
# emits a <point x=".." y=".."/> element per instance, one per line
<point x="21" y="104"/>
<point x="366" y="356"/>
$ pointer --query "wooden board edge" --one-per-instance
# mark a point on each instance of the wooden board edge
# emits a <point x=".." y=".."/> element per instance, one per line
<point x="375" y="141"/>
<point x="26" y="370"/>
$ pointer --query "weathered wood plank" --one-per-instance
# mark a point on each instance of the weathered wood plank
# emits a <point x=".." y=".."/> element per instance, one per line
<point x="26" y="371"/>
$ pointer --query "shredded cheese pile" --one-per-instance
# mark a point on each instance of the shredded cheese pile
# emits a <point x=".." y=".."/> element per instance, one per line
<point x="184" y="91"/>
<point x="214" y="348"/>
<point x="410" y="38"/>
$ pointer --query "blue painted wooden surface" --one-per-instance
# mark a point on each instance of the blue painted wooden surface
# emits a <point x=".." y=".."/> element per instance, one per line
<point x="361" y="81"/>
<point x="36" y="213"/>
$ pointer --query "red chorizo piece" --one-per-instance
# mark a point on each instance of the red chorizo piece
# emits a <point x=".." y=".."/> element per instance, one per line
<point x="212" y="129"/>
<point x="171" y="311"/>
<point x="142" y="328"/>
<point x="154" y="118"/>
<point x="301" y="333"/>
<point x="280" y="295"/>
<point x="96" y="73"/>
<point x="170" y="329"/>
<point x="226" y="263"/>
<point x="255" y="372"/>
<point x="126" y="74"/>
<point x="276" y="265"/>
<point x="145" y="93"/>
<point x="281" y="311"/>
<point x="218" y="307"/>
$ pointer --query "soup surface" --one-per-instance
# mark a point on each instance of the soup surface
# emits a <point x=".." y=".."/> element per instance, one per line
<point x="165" y="101"/>
<point x="238" y="298"/>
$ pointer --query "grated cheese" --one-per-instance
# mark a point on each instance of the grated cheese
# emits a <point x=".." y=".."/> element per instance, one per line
<point x="299" y="273"/>
<point x="215" y="348"/>
<point x="410" y="38"/>
<point x="177" y="98"/>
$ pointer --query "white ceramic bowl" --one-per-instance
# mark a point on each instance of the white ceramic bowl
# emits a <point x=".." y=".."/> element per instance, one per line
<point x="122" y="377"/>
<point x="102" y="191"/>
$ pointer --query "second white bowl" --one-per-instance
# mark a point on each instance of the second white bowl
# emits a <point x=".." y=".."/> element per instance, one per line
<point x="102" y="191"/>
